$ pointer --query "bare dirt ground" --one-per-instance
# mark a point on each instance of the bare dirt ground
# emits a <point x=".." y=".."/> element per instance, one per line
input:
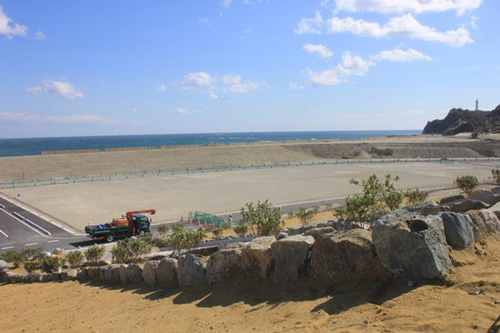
<point x="464" y="302"/>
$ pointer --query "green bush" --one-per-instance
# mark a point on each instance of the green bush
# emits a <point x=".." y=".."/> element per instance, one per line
<point x="52" y="263"/>
<point x="32" y="265"/>
<point x="182" y="239"/>
<point x="130" y="250"/>
<point x="217" y="232"/>
<point x="12" y="256"/>
<point x="262" y="219"/>
<point x="74" y="258"/>
<point x="163" y="229"/>
<point x="94" y="254"/>
<point x="376" y="199"/>
<point x="467" y="184"/>
<point x="496" y="175"/>
<point x="240" y="229"/>
<point x="306" y="215"/>
<point x="31" y="253"/>
<point x="415" y="197"/>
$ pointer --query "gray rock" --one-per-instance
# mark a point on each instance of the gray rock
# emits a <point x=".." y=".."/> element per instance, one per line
<point x="10" y="277"/>
<point x="281" y="235"/>
<point x="56" y="277"/>
<point x="342" y="225"/>
<point x="191" y="270"/>
<point x="487" y="196"/>
<point x="112" y="274"/>
<point x="299" y="229"/>
<point x="134" y="274"/>
<point x="478" y="227"/>
<point x="257" y="258"/>
<point x="150" y="272"/>
<point x="72" y="274"/>
<point x="123" y="274"/>
<point x="224" y="265"/>
<point x="82" y="275"/>
<point x="466" y="205"/>
<point x="451" y="198"/>
<point x="205" y="250"/>
<point x="34" y="277"/>
<point x="495" y="209"/>
<point x="491" y="222"/>
<point x="316" y="232"/>
<point x="93" y="273"/>
<point x="290" y="257"/>
<point x="46" y="277"/>
<point x="432" y="207"/>
<point x="346" y="257"/>
<point x="167" y="273"/>
<point x="458" y="230"/>
<point x="3" y="265"/>
<point x="411" y="246"/>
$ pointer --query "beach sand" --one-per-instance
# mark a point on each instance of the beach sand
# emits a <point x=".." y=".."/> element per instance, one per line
<point x="465" y="302"/>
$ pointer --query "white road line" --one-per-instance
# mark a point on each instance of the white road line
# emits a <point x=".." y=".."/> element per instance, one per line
<point x="30" y="244"/>
<point x="2" y="206"/>
<point x="6" y="248"/>
<point x="32" y="223"/>
<point x="53" y="241"/>
<point x="26" y="224"/>
<point x="3" y="233"/>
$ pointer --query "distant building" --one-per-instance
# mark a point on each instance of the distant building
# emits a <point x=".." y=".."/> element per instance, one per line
<point x="477" y="104"/>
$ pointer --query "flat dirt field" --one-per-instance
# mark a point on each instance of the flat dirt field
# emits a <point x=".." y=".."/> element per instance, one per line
<point x="465" y="302"/>
<point x="79" y="204"/>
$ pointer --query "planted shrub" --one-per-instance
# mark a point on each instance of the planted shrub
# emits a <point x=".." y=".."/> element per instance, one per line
<point x="74" y="258"/>
<point x="217" y="232"/>
<point x="306" y="215"/>
<point x="130" y="250"/>
<point x="32" y="265"/>
<point x="12" y="256"/>
<point x="31" y="253"/>
<point x="182" y="239"/>
<point x="94" y="254"/>
<point x="467" y="184"/>
<point x="52" y="263"/>
<point x="415" y="197"/>
<point x="240" y="229"/>
<point x="163" y="229"/>
<point x="496" y="175"/>
<point x="262" y="219"/>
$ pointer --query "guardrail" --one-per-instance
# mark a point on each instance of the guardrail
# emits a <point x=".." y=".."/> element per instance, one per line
<point x="158" y="172"/>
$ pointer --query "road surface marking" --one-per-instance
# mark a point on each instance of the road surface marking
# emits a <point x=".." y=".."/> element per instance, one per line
<point x="2" y="206"/>
<point x="8" y="247"/>
<point x="3" y="233"/>
<point x="29" y="244"/>
<point x="26" y="224"/>
<point x="53" y="241"/>
<point x="31" y="223"/>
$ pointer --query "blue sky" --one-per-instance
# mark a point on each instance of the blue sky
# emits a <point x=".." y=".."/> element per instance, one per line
<point x="70" y="68"/>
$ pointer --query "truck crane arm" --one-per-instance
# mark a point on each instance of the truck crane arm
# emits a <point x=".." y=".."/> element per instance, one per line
<point x="148" y="211"/>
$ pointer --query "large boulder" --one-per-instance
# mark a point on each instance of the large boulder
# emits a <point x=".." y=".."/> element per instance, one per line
<point x="412" y="246"/>
<point x="150" y="272"/>
<point x="489" y="197"/>
<point x="191" y="270"/>
<point x="94" y="273"/>
<point x="257" y="259"/>
<point x="346" y="257"/>
<point x="431" y="208"/>
<point x="451" y="198"/>
<point x="123" y="274"/>
<point x="317" y="232"/>
<point x="224" y="265"/>
<point x="167" y="273"/>
<point x="466" y="205"/>
<point x="478" y="226"/>
<point x="491" y="222"/>
<point x="458" y="230"/>
<point x="290" y="257"/>
<point x="495" y="209"/>
<point x="112" y="274"/>
<point x="134" y="274"/>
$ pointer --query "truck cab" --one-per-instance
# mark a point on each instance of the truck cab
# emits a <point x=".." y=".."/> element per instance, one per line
<point x="141" y="223"/>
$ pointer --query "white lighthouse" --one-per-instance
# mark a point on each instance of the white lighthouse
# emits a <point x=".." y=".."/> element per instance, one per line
<point x="477" y="104"/>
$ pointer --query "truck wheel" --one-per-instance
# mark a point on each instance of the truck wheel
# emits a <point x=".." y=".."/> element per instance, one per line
<point x="141" y="232"/>
<point x="110" y="238"/>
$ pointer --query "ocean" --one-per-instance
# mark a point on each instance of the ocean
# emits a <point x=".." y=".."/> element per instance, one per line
<point x="34" y="146"/>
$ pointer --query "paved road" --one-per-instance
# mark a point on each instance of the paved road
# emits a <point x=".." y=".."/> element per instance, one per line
<point x="21" y="228"/>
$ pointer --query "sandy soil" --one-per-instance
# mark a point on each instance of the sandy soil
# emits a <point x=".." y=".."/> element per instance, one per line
<point x="465" y="302"/>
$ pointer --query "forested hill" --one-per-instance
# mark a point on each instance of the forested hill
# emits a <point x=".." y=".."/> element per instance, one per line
<point x="460" y="121"/>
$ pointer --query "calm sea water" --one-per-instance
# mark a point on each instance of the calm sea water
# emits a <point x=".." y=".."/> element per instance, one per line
<point x="34" y="146"/>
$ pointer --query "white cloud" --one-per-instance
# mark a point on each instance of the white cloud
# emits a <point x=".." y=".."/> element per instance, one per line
<point x="39" y="36"/>
<point x="226" y="3"/>
<point x="233" y="83"/>
<point x="497" y="67"/>
<point x="348" y="66"/>
<point x="9" y="28"/>
<point x="85" y="118"/>
<point x="398" y="55"/>
<point x="59" y="88"/>
<point x="180" y="111"/>
<point x="310" y="25"/>
<point x="215" y="96"/>
<point x="197" y="79"/>
<point x="296" y="86"/>
<point x="161" y="88"/>
<point x="473" y="23"/>
<point x="405" y="26"/>
<point x="408" y="6"/>
<point x="319" y="49"/>
<point x="34" y="118"/>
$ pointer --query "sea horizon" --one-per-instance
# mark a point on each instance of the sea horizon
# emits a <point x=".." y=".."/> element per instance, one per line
<point x="10" y="147"/>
